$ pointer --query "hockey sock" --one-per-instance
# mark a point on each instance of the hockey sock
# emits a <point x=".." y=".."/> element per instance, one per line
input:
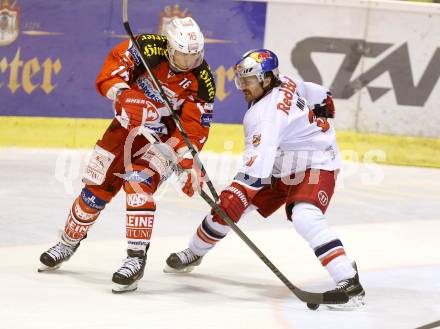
<point x="340" y="268"/>
<point x="207" y="235"/>
<point x="311" y="224"/>
<point x="140" y="220"/>
<point x="84" y="212"/>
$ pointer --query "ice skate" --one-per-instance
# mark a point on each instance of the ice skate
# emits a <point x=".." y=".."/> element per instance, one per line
<point x="354" y="290"/>
<point x="182" y="262"/>
<point x="56" y="255"/>
<point x="126" y="278"/>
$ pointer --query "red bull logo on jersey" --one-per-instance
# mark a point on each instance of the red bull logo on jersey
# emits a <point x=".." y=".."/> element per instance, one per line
<point x="288" y="89"/>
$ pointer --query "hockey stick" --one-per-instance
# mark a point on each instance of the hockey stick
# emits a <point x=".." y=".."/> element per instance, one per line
<point x="435" y="324"/>
<point x="168" y="104"/>
<point x="307" y="297"/>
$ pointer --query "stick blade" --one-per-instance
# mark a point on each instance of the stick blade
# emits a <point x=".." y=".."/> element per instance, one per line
<point x="335" y="297"/>
<point x="329" y="297"/>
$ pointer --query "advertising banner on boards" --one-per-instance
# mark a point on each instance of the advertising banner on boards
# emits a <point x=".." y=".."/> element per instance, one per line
<point x="51" y="51"/>
<point x="380" y="59"/>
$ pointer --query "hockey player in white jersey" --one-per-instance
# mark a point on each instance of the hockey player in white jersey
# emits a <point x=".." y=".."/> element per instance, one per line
<point x="291" y="158"/>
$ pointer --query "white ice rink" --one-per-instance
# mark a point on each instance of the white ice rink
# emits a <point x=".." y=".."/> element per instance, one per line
<point x="387" y="217"/>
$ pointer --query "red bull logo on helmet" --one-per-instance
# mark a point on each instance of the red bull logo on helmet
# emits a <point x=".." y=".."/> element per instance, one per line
<point x="259" y="56"/>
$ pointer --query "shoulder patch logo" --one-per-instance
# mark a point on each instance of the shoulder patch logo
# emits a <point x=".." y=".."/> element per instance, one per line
<point x="206" y="113"/>
<point x="256" y="140"/>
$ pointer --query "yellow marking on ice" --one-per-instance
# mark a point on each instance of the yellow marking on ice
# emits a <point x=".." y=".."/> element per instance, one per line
<point x="50" y="132"/>
<point x="83" y="133"/>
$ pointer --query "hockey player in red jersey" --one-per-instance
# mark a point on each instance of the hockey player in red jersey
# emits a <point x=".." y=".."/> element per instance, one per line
<point x="177" y="60"/>
<point x="291" y="158"/>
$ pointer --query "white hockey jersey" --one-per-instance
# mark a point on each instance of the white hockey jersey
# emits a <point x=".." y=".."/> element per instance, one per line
<point x="282" y="136"/>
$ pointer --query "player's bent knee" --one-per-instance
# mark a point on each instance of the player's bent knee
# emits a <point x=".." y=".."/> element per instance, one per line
<point x="136" y="183"/>
<point x="311" y="224"/>
<point x="92" y="198"/>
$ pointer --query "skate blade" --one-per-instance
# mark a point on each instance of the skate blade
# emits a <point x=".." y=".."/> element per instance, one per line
<point x="353" y="304"/>
<point x="120" y="288"/>
<point x="45" y="268"/>
<point x="169" y="269"/>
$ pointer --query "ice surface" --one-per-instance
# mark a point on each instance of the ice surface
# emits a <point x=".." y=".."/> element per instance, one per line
<point x="386" y="216"/>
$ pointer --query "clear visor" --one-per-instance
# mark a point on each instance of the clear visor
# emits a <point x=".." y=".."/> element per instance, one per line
<point x="186" y="62"/>
<point x="246" y="82"/>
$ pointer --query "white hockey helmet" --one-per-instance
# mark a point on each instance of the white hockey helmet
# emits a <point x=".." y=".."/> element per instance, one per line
<point x="255" y="62"/>
<point x="185" y="44"/>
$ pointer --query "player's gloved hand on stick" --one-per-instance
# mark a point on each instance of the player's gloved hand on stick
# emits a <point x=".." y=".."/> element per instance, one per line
<point x="133" y="108"/>
<point x="233" y="201"/>
<point x="191" y="177"/>
<point x="326" y="109"/>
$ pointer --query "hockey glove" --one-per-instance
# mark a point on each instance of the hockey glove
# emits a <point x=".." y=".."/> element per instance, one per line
<point x="326" y="109"/>
<point x="233" y="201"/>
<point x="133" y="108"/>
<point x="190" y="177"/>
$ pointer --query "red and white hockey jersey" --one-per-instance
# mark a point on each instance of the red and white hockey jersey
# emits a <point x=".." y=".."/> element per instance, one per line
<point x="283" y="136"/>
<point x="191" y="93"/>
